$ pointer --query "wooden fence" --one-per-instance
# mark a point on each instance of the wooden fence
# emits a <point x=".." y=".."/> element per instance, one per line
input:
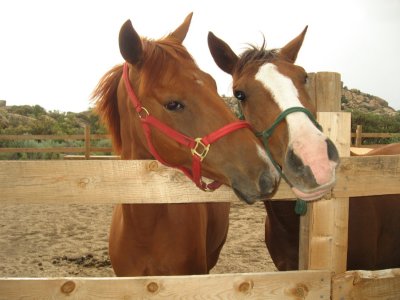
<point x="95" y="182"/>
<point x="87" y="137"/>
<point x="87" y="148"/>
<point x="323" y="245"/>
<point x="359" y="136"/>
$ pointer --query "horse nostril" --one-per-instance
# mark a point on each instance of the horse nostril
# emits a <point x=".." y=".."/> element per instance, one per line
<point x="267" y="183"/>
<point x="333" y="154"/>
<point x="296" y="168"/>
<point x="294" y="161"/>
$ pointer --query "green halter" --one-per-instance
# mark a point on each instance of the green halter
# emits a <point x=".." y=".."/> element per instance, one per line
<point x="301" y="205"/>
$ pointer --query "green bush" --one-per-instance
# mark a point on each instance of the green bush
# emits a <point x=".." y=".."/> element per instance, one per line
<point x="376" y="123"/>
<point x="34" y="120"/>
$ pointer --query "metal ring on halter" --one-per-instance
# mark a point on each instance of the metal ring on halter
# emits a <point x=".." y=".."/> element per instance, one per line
<point x="203" y="152"/>
<point x="207" y="189"/>
<point x="145" y="114"/>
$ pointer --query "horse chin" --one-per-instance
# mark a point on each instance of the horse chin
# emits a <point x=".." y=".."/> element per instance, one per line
<point x="251" y="199"/>
<point x="310" y="190"/>
<point x="311" y="195"/>
<point x="245" y="198"/>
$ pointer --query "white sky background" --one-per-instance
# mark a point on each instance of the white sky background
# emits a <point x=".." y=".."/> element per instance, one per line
<point x="52" y="53"/>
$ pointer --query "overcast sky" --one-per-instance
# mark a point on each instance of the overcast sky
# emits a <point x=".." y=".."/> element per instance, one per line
<point x="52" y="53"/>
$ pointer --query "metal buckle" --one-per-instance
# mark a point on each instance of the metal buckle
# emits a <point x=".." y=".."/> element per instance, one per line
<point x="207" y="189"/>
<point x="145" y="113"/>
<point x="202" y="154"/>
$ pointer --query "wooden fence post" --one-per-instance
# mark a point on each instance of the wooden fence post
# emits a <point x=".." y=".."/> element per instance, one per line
<point x="358" y="141"/>
<point x="87" y="141"/>
<point x="325" y="90"/>
<point x="323" y="230"/>
<point x="310" y="86"/>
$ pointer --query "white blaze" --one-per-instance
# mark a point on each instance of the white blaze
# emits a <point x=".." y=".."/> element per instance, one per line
<point x="286" y="96"/>
<point x="306" y="141"/>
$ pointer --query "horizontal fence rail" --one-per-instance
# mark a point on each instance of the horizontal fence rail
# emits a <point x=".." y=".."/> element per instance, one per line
<point x="284" y="285"/>
<point x="351" y="285"/>
<point x="358" y="143"/>
<point x="148" y="181"/>
<point x="359" y="136"/>
<point x="27" y="137"/>
<point x="87" y="148"/>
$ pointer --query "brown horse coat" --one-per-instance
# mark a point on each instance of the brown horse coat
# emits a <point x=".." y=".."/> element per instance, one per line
<point x="266" y="82"/>
<point x="174" y="239"/>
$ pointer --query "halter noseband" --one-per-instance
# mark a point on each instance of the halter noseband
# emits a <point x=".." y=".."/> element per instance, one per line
<point x="301" y="206"/>
<point x="199" y="147"/>
<point x="266" y="134"/>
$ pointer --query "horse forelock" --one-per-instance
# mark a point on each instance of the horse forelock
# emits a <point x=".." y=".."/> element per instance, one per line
<point x="162" y="59"/>
<point x="254" y="55"/>
<point x="105" y="98"/>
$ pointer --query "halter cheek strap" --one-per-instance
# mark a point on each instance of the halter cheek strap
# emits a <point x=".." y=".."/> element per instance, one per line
<point x="199" y="147"/>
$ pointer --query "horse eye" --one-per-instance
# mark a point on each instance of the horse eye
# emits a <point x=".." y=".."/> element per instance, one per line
<point x="240" y="95"/>
<point x="174" y="106"/>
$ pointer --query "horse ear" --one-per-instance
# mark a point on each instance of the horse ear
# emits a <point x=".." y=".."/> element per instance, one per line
<point x="130" y="44"/>
<point x="182" y="30"/>
<point x="291" y="49"/>
<point x="222" y="54"/>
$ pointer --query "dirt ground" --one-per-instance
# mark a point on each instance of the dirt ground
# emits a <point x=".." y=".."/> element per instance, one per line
<point x="72" y="240"/>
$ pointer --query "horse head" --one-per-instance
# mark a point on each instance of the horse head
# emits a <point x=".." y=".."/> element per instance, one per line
<point x="178" y="117"/>
<point x="271" y="90"/>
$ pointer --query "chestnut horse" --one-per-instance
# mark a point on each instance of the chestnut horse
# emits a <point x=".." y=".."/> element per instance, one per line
<point x="267" y="82"/>
<point x="154" y="105"/>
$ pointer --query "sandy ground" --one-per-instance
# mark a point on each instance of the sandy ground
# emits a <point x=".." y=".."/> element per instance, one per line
<point x="72" y="240"/>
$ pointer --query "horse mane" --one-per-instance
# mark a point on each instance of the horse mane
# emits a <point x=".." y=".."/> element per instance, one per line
<point x="161" y="60"/>
<point x="105" y="96"/>
<point x="257" y="55"/>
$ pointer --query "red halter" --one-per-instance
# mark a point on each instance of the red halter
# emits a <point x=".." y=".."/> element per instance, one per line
<point x="198" y="146"/>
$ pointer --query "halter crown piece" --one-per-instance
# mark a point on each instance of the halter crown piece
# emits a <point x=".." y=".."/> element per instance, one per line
<point x="301" y="205"/>
<point x="199" y="147"/>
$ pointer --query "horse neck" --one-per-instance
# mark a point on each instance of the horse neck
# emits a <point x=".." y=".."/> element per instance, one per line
<point x="282" y="212"/>
<point x="138" y="217"/>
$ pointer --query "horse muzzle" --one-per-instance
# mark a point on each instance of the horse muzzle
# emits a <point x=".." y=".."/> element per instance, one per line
<point x="311" y="174"/>
<point x="250" y="193"/>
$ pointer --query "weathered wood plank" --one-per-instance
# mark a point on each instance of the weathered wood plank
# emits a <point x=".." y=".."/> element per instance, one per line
<point x="328" y="91"/>
<point x="43" y="150"/>
<point x="367" y="285"/>
<point x="117" y="181"/>
<point x="25" y="137"/>
<point x="55" y="150"/>
<point x="101" y="182"/>
<point x="323" y="230"/>
<point x="93" y="157"/>
<point x="363" y="176"/>
<point x="379" y="135"/>
<point x="284" y="285"/>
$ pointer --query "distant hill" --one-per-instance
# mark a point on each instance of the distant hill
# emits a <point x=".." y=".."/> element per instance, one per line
<point x="353" y="99"/>
<point x="26" y="119"/>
